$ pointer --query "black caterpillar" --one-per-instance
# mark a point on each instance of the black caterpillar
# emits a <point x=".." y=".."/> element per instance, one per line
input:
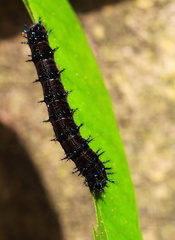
<point x="61" y="115"/>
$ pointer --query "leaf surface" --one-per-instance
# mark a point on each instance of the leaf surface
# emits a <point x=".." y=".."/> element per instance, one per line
<point x="116" y="211"/>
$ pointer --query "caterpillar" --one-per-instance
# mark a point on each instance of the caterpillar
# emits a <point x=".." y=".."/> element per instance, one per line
<point x="76" y="148"/>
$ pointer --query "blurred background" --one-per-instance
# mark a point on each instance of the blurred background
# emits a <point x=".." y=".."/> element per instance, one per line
<point x="134" y="44"/>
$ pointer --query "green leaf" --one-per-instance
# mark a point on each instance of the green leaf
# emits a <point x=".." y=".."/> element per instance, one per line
<point x="116" y="211"/>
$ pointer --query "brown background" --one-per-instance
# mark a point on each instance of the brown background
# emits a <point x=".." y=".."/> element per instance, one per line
<point x="134" y="43"/>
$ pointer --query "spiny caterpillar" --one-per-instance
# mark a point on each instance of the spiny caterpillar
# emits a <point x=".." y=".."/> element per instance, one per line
<point x="66" y="131"/>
